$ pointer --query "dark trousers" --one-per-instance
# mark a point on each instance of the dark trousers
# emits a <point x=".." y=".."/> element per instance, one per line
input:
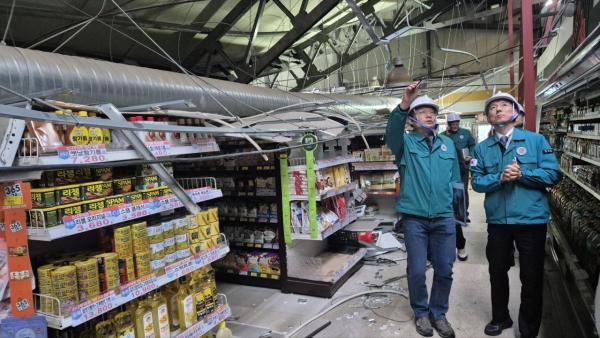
<point x="460" y="238"/>
<point x="530" y="241"/>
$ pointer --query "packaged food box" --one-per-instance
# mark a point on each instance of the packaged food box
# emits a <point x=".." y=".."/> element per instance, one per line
<point x="122" y="241"/>
<point x="126" y="269"/>
<point x="102" y="174"/>
<point x="148" y="182"/>
<point x="117" y="200"/>
<point x="43" y="197"/>
<point x="93" y="190"/>
<point x="134" y="197"/>
<point x="151" y="193"/>
<point x="94" y="205"/>
<point x="142" y="264"/>
<point x="68" y="194"/>
<point x="65" y="177"/>
<point x="69" y="210"/>
<point x="122" y="185"/>
<point x="108" y="271"/>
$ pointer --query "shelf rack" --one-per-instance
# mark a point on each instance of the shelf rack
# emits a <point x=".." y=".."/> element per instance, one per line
<point x="327" y="194"/>
<point x="588" y="137"/>
<point x="329" y="231"/>
<point x="583" y="185"/>
<point x="590" y="160"/>
<point x="112" y="300"/>
<point x="371" y="166"/>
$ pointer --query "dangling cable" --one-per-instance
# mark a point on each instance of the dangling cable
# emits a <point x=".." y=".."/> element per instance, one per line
<point x="10" y="16"/>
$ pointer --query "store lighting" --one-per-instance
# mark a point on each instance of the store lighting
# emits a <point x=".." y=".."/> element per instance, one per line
<point x="399" y="75"/>
<point x="548" y="3"/>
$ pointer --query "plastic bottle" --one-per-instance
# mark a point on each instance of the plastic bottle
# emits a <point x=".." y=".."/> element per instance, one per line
<point x="171" y="296"/>
<point x="224" y="331"/>
<point x="185" y="305"/>
<point x="199" y="301"/>
<point x="144" y="325"/>
<point x="78" y="135"/>
<point x="160" y="316"/>
<point x="124" y="325"/>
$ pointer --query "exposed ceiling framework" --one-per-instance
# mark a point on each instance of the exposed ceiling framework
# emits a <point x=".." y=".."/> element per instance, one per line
<point x="256" y="41"/>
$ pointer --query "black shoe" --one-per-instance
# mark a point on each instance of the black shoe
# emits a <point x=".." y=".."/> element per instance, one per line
<point x="423" y="326"/>
<point x="495" y="329"/>
<point x="443" y="328"/>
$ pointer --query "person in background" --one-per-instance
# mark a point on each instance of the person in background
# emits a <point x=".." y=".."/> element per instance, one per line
<point x="465" y="144"/>
<point x="428" y="166"/>
<point x="513" y="168"/>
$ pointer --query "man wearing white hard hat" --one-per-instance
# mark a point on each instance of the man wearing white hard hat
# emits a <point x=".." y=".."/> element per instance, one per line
<point x="427" y="163"/>
<point x="513" y="168"/>
<point x="465" y="144"/>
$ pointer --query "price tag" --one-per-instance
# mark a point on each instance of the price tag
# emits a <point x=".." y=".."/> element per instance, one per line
<point x="13" y="195"/>
<point x="90" y="153"/>
<point x="139" y="288"/>
<point x="159" y="148"/>
<point x="90" y="310"/>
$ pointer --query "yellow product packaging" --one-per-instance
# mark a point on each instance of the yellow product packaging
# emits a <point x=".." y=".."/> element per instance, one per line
<point x="92" y="190"/>
<point x="102" y="174"/>
<point x="168" y="228"/>
<point x="87" y="279"/>
<point x="133" y="197"/>
<point x="194" y="236"/>
<point x="64" y="278"/>
<point x="182" y="241"/>
<point x="46" y="216"/>
<point x="65" y="177"/>
<point x="214" y="228"/>
<point x="170" y="257"/>
<point x="213" y="215"/>
<point x="183" y="253"/>
<point x="83" y="174"/>
<point x="108" y="271"/>
<point x="69" y="210"/>
<point x="43" y="198"/>
<point x="126" y="270"/>
<point x="202" y="218"/>
<point x="142" y="264"/>
<point x="157" y="250"/>
<point x="197" y="248"/>
<point x="45" y="286"/>
<point x="181" y="226"/>
<point x="122" y="185"/>
<point x="139" y="234"/>
<point x="148" y="182"/>
<point x="169" y="244"/>
<point x="192" y="222"/>
<point x="105" y="329"/>
<point x="115" y="201"/>
<point x="68" y="194"/>
<point x="158" y="265"/>
<point x="122" y="241"/>
<point x="214" y="240"/>
<point x="151" y="193"/>
<point x="124" y="325"/>
<point x="166" y="191"/>
<point x="205" y="231"/>
<point x="155" y="233"/>
<point x="94" y="205"/>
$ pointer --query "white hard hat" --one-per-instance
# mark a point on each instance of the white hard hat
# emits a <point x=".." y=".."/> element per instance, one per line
<point x="521" y="109"/>
<point x="423" y="101"/>
<point x="502" y="96"/>
<point x="452" y="117"/>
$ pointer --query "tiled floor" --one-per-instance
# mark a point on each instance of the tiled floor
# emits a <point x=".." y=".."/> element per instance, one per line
<point x="265" y="309"/>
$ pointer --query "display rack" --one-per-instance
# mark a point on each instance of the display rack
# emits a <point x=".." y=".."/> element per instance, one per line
<point x="329" y="231"/>
<point x="583" y="185"/>
<point x="221" y="313"/>
<point x="327" y="194"/>
<point x="112" y="300"/>
<point x="374" y="166"/>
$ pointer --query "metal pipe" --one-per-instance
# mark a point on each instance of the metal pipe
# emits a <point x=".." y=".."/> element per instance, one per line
<point x="95" y="81"/>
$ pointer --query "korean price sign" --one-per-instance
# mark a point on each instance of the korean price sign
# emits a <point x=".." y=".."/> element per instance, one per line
<point x="90" y="153"/>
<point x="159" y="148"/>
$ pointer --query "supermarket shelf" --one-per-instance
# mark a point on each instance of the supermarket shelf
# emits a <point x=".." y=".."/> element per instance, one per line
<point x="325" y="163"/>
<point x="112" y="156"/>
<point x="555" y="131"/>
<point x="249" y="278"/>
<point x="584" y="118"/>
<point x="245" y="221"/>
<point x="589" y="137"/>
<point x="381" y="193"/>
<point x="109" y="216"/>
<point x="111" y="300"/>
<point x="583" y="185"/>
<point x="322" y="288"/>
<point x="211" y="321"/>
<point x="369" y="166"/>
<point x="327" y="232"/>
<point x="333" y="192"/>
<point x="267" y="246"/>
<point x="584" y="158"/>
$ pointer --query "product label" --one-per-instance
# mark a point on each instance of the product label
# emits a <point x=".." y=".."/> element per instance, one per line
<point x="163" y="321"/>
<point x="126" y="333"/>
<point x="96" y="135"/>
<point x="157" y="247"/>
<point x="170" y="241"/>
<point x="157" y="264"/>
<point x="183" y="238"/>
<point x="81" y="154"/>
<point x="170" y="258"/>
<point x="79" y="135"/>
<point x="148" y="325"/>
<point x="154" y="231"/>
<point x="188" y="310"/>
<point x="183" y="253"/>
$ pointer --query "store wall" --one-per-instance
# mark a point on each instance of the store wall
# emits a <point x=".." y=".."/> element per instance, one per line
<point x="558" y="47"/>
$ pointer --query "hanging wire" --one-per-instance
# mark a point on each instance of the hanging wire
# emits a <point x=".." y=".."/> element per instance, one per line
<point x="81" y="28"/>
<point x="6" y="29"/>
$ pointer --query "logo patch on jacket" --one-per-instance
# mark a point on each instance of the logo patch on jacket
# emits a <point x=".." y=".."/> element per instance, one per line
<point x="443" y="147"/>
<point x="473" y="162"/>
<point x="548" y="151"/>
<point x="521" y="151"/>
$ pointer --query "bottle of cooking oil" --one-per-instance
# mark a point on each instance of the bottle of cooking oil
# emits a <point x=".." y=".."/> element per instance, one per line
<point x="171" y="295"/>
<point x="96" y="135"/>
<point x="199" y="301"/>
<point x="78" y="135"/>
<point x="224" y="331"/>
<point x="124" y="325"/>
<point x="185" y="305"/>
<point x="144" y="325"/>
<point x="160" y="316"/>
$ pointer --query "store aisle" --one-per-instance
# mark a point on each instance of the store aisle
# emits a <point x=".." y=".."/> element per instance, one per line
<point x="469" y="300"/>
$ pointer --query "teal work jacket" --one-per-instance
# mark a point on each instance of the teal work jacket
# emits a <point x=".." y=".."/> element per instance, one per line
<point x="426" y="176"/>
<point x="519" y="202"/>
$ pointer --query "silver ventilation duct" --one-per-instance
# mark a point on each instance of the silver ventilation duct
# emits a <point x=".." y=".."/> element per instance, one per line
<point x="29" y="71"/>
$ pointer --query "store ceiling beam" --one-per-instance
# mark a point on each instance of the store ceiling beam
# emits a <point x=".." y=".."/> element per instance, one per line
<point x="527" y="66"/>
<point x="302" y="23"/>
<point x="207" y="44"/>
<point x="312" y="76"/>
<point x="285" y="11"/>
<point x="255" y="28"/>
